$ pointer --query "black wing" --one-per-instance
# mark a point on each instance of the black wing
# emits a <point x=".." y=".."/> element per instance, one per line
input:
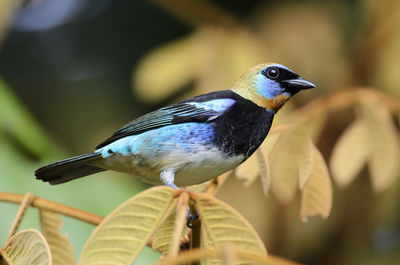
<point x="198" y="109"/>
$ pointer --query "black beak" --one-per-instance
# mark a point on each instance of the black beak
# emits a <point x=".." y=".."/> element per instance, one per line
<point x="297" y="84"/>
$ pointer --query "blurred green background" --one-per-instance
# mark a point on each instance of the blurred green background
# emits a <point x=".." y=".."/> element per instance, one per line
<point x="72" y="72"/>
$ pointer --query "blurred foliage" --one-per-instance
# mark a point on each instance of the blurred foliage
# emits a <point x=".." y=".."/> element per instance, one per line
<point x="339" y="45"/>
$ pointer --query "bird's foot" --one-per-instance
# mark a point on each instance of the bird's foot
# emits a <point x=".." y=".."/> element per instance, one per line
<point x="190" y="218"/>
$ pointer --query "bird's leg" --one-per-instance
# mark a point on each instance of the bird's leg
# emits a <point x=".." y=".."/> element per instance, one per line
<point x="168" y="178"/>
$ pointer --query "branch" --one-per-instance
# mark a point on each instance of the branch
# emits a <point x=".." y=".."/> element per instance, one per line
<point x="26" y="202"/>
<point x="342" y="99"/>
<point x="54" y="207"/>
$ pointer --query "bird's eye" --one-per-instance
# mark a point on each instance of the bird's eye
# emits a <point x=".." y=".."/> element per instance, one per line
<point x="272" y="73"/>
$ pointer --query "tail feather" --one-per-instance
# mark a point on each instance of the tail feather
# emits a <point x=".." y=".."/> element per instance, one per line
<point x="69" y="169"/>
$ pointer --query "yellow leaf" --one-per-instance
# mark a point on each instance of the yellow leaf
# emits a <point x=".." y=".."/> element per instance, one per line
<point x="316" y="197"/>
<point x="27" y="247"/>
<point x="202" y="187"/>
<point x="165" y="70"/>
<point x="265" y="172"/>
<point x="163" y="236"/>
<point x="383" y="137"/>
<point x="224" y="225"/>
<point x="268" y="145"/>
<point x="122" y="235"/>
<point x="60" y="245"/>
<point x="249" y="170"/>
<point x="265" y="168"/>
<point x="284" y="158"/>
<point x="350" y="153"/>
<point x="306" y="163"/>
<point x="179" y="225"/>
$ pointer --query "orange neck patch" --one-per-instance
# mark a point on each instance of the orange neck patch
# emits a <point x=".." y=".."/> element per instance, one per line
<point x="274" y="103"/>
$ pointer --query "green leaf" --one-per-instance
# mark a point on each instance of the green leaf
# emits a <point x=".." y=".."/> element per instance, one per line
<point x="15" y="119"/>
<point x="27" y="247"/>
<point x="123" y="234"/>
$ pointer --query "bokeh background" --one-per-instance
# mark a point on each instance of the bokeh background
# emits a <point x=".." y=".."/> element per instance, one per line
<point x="72" y="72"/>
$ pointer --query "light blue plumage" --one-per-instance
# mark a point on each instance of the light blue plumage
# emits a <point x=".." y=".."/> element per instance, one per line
<point x="179" y="148"/>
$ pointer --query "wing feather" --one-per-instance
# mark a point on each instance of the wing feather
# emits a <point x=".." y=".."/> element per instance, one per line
<point x="185" y="111"/>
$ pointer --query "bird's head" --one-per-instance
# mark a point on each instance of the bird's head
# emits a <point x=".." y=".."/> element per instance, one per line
<point x="270" y="85"/>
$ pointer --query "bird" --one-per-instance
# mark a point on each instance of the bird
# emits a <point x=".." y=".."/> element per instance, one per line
<point x="194" y="140"/>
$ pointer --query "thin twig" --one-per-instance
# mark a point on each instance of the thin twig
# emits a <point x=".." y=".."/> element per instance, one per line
<point x="343" y="99"/>
<point x="198" y="254"/>
<point x="54" y="207"/>
<point x="26" y="202"/>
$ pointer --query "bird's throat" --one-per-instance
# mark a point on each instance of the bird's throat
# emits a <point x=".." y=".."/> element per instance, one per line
<point x="273" y="104"/>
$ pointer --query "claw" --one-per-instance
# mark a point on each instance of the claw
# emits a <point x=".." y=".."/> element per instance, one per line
<point x="190" y="218"/>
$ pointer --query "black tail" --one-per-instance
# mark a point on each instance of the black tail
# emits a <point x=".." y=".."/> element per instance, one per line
<point x="69" y="169"/>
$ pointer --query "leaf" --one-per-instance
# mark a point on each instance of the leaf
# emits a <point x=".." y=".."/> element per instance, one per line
<point x="249" y="170"/>
<point x="61" y="248"/>
<point x="179" y="224"/>
<point x="202" y="187"/>
<point x="27" y="247"/>
<point x="350" y="153"/>
<point x="165" y="70"/>
<point x="306" y="164"/>
<point x="316" y="196"/>
<point x="285" y="158"/>
<point x="265" y="173"/>
<point x="265" y="168"/>
<point x="163" y="236"/>
<point x="15" y="119"/>
<point x="269" y="143"/>
<point x="122" y="235"/>
<point x="384" y="163"/>
<point x="223" y="225"/>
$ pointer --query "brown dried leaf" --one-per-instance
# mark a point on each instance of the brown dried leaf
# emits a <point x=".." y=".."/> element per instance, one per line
<point x="383" y="137"/>
<point x="350" y="153"/>
<point x="306" y="164"/>
<point x="265" y="168"/>
<point x="316" y="197"/>
<point x="284" y="159"/>
<point x="61" y="248"/>
<point x="249" y="170"/>
<point x="265" y="172"/>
